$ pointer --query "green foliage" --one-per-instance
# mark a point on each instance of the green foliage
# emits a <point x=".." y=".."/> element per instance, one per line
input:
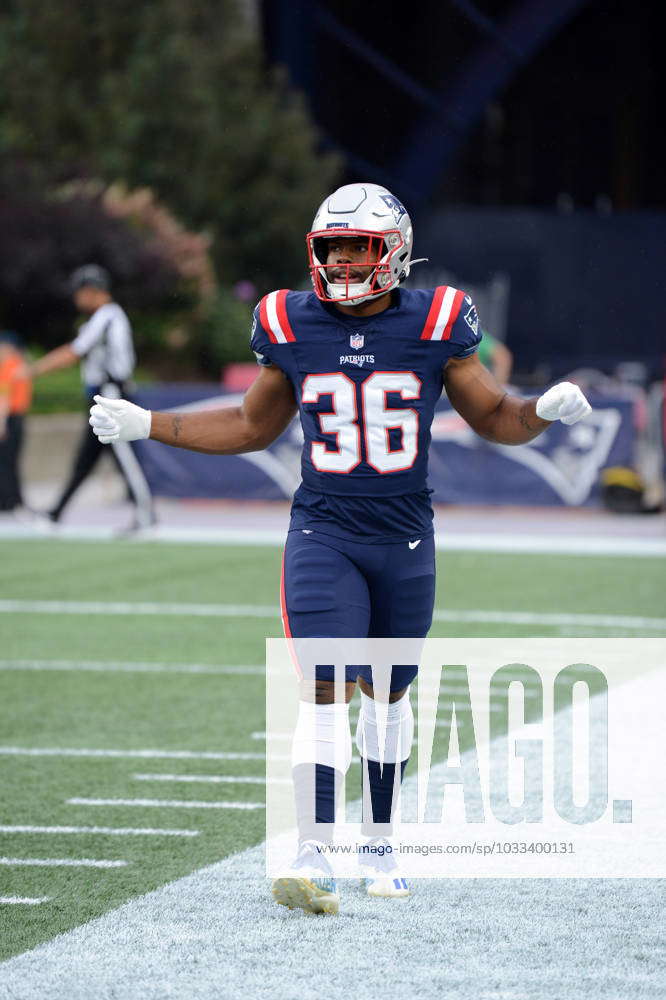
<point x="44" y="237"/>
<point x="173" y="96"/>
<point x="223" y="335"/>
<point x="62" y="391"/>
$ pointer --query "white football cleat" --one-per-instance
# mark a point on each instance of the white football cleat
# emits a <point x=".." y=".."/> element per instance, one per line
<point x="380" y="872"/>
<point x="312" y="886"/>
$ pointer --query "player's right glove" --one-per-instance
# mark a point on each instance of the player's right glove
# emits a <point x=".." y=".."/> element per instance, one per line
<point x="118" y="420"/>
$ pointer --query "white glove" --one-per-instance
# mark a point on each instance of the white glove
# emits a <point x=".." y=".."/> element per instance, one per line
<point x="117" y="420"/>
<point x="563" y="402"/>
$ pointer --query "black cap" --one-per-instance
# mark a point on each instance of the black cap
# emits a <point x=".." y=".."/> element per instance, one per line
<point x="91" y="275"/>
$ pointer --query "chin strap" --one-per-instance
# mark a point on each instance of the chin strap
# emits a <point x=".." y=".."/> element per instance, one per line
<point x="354" y="290"/>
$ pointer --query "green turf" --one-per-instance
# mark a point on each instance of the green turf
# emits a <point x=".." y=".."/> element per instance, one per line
<point x="151" y="638"/>
<point x="55" y="569"/>
<point x="45" y="708"/>
<point x="117" y="711"/>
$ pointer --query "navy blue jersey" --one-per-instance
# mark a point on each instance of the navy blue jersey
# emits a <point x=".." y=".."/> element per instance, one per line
<point x="366" y="390"/>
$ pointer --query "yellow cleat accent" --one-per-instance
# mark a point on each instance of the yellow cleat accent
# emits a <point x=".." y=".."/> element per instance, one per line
<point x="304" y="894"/>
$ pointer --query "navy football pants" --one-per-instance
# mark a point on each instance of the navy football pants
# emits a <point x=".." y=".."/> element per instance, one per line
<point x="336" y="588"/>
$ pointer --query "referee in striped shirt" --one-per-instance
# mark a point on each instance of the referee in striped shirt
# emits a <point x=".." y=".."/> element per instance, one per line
<point x="105" y="349"/>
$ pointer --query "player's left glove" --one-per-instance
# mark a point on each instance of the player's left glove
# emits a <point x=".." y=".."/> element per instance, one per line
<point x="118" y="420"/>
<point x="563" y="402"/>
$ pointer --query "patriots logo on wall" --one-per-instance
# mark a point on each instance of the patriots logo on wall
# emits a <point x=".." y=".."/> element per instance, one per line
<point x="396" y="206"/>
<point x="356" y="341"/>
<point x="564" y="466"/>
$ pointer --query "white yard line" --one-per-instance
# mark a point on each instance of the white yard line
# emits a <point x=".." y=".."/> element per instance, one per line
<point x="120" y="667"/>
<point x="476" y="616"/>
<point x="139" y="608"/>
<point x="165" y="803"/>
<point x="59" y="863"/>
<point x="204" y="779"/>
<point x="552" y="544"/>
<point x="550" y="619"/>
<point x="24" y="900"/>
<point x="508" y="541"/>
<point x="127" y="754"/>
<point x="111" y="831"/>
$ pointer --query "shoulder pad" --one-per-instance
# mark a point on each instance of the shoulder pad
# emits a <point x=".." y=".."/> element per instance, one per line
<point x="443" y="313"/>
<point x="273" y="317"/>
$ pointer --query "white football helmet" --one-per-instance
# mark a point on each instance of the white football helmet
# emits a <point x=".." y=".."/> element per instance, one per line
<point x="360" y="210"/>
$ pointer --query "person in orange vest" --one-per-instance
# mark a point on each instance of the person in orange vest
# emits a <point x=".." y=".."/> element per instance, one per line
<point x="15" y="398"/>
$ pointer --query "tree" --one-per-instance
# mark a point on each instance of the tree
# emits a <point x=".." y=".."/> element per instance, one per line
<point x="172" y="96"/>
<point x="43" y="239"/>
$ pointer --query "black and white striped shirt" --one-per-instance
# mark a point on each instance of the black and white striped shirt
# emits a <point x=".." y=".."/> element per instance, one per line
<point x="105" y="346"/>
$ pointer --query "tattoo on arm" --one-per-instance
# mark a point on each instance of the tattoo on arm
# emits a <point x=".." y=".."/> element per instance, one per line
<point x="177" y="426"/>
<point x="522" y="416"/>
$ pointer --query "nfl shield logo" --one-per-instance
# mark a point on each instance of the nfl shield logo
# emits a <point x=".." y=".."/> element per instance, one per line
<point x="356" y="341"/>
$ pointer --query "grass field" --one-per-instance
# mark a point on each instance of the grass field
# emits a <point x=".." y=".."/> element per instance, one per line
<point x="150" y="656"/>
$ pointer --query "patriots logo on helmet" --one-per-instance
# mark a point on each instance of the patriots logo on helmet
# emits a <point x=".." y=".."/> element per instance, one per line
<point x="472" y="319"/>
<point x="396" y="206"/>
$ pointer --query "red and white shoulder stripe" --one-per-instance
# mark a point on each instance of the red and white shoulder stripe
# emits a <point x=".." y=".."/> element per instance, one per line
<point x="443" y="313"/>
<point x="274" y="318"/>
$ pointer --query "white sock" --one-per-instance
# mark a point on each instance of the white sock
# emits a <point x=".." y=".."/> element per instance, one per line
<point x="322" y="736"/>
<point x="399" y="734"/>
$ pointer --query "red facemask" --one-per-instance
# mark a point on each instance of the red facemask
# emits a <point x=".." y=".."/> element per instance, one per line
<point x="339" y="282"/>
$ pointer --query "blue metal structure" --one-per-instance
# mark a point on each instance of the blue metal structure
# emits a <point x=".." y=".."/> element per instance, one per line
<point x="297" y="28"/>
<point x="487" y="72"/>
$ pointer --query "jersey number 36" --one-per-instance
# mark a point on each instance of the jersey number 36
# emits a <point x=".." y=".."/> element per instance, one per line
<point x="375" y="421"/>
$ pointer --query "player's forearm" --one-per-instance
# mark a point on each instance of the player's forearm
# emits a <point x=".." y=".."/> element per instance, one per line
<point x="267" y="408"/>
<point x="216" y="432"/>
<point x="514" y="421"/>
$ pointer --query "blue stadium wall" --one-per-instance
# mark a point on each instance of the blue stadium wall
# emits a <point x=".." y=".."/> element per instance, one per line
<point x="586" y="290"/>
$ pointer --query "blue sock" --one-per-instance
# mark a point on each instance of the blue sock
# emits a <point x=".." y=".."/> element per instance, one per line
<point x="381" y="794"/>
<point x="311" y="814"/>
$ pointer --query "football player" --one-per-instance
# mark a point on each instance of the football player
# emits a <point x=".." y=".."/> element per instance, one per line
<point x="363" y="361"/>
